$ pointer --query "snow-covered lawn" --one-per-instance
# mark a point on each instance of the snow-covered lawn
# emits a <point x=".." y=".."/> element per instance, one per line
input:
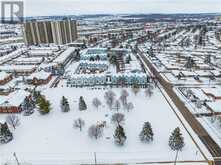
<point x="52" y="137"/>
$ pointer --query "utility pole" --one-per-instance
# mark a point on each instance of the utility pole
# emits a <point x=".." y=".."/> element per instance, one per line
<point x="16" y="158"/>
<point x="95" y="158"/>
<point x="176" y="157"/>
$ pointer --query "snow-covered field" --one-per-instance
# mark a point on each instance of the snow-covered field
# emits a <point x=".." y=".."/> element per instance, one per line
<point x="52" y="138"/>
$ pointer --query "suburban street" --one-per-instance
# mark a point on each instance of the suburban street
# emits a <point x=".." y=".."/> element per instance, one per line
<point x="211" y="145"/>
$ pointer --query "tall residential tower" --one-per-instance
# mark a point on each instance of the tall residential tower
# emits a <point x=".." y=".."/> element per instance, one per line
<point x="44" y="32"/>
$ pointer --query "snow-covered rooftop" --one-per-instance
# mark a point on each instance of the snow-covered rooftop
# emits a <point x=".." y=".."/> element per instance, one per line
<point x="42" y="75"/>
<point x="3" y="75"/>
<point x="14" y="98"/>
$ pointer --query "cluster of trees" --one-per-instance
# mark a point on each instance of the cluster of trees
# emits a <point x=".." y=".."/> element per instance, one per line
<point x="148" y="91"/>
<point x="95" y="131"/>
<point x="110" y="99"/>
<point x="176" y="140"/>
<point x="116" y="104"/>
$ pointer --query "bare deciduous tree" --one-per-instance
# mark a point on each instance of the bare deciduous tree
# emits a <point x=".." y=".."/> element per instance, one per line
<point x="117" y="118"/>
<point x="13" y="120"/>
<point x="129" y="106"/>
<point x="198" y="104"/>
<point x="79" y="123"/>
<point x="135" y="90"/>
<point x="96" y="102"/>
<point x="149" y="92"/>
<point x="123" y="97"/>
<point x="109" y="96"/>
<point x="95" y="131"/>
<point x="117" y="105"/>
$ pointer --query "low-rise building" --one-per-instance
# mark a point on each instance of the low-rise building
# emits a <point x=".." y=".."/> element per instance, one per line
<point x="76" y="80"/>
<point x="215" y="93"/>
<point x="13" y="102"/>
<point x="5" y="77"/>
<point x="39" y="78"/>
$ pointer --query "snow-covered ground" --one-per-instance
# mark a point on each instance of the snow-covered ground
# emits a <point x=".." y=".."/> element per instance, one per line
<point x="52" y="138"/>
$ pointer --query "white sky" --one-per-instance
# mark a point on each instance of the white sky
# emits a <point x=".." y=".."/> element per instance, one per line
<point x="73" y="7"/>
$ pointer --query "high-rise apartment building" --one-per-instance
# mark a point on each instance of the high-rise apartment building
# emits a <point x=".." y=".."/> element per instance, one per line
<point x="43" y="32"/>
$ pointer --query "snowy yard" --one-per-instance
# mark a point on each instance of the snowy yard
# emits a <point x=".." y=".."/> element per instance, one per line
<point x="52" y="137"/>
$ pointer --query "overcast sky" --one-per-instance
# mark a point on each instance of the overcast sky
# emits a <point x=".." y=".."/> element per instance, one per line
<point x="73" y="7"/>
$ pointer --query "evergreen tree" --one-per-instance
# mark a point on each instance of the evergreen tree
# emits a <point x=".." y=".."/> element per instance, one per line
<point x="190" y="63"/>
<point x="44" y="105"/>
<point x="128" y="59"/>
<point x="113" y="59"/>
<point x="64" y="104"/>
<point x="207" y="59"/>
<point x="5" y="133"/>
<point x="119" y="135"/>
<point x="82" y="105"/>
<point x="150" y="52"/>
<point x="146" y="135"/>
<point x="35" y="95"/>
<point x="66" y="107"/>
<point x="28" y="106"/>
<point x="176" y="141"/>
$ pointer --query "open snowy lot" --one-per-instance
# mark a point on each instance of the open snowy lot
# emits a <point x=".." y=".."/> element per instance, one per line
<point x="52" y="137"/>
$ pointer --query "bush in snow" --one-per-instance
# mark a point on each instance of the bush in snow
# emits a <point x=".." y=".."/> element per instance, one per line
<point x="5" y="134"/>
<point x="79" y="123"/>
<point x="176" y="140"/>
<point x="82" y="105"/>
<point x="146" y="135"/>
<point x="119" y="135"/>
<point x="118" y="118"/>
<point x="96" y="102"/>
<point x="13" y="120"/>
<point x="109" y="97"/>
<point x="64" y="104"/>
<point x="95" y="131"/>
